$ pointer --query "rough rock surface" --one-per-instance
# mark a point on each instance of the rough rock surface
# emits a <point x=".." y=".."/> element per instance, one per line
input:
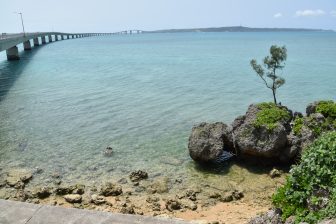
<point x="18" y="177"/>
<point x="110" y="189"/>
<point x="73" y="198"/>
<point x="270" y="217"/>
<point x="138" y="175"/>
<point x="208" y="141"/>
<point x="259" y="142"/>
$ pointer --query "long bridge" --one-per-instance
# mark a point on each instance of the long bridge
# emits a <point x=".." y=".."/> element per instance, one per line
<point x="9" y="42"/>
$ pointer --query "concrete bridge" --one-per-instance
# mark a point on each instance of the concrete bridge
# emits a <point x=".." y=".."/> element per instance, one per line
<point x="9" y="42"/>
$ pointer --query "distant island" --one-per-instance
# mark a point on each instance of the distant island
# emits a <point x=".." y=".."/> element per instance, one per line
<point x="237" y="29"/>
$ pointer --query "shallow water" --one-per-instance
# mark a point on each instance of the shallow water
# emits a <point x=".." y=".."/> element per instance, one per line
<point x="62" y="104"/>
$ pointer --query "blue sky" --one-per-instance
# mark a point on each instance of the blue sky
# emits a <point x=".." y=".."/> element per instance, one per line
<point x="116" y="15"/>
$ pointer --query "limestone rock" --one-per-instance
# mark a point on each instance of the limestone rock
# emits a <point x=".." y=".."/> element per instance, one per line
<point x="260" y="144"/>
<point x="18" y="177"/>
<point x="138" y="175"/>
<point x="173" y="204"/>
<point x="270" y="217"/>
<point x="73" y="198"/>
<point x="97" y="199"/>
<point x="42" y="192"/>
<point x="208" y="141"/>
<point x="110" y="189"/>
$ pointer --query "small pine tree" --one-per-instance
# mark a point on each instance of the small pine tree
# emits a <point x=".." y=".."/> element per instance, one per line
<point x="271" y="65"/>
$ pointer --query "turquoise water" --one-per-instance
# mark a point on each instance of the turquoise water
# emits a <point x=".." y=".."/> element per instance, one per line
<point x="62" y="104"/>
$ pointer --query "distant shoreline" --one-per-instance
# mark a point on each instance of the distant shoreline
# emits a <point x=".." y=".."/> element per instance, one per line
<point x="237" y="29"/>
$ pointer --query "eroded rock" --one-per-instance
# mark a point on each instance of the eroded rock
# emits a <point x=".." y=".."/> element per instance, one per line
<point x="110" y="189"/>
<point x="73" y="198"/>
<point x="208" y="141"/>
<point x="138" y="175"/>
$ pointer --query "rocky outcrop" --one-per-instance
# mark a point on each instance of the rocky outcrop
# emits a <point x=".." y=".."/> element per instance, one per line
<point x="73" y="198"/>
<point x="208" y="141"/>
<point x="261" y="143"/>
<point x="266" y="134"/>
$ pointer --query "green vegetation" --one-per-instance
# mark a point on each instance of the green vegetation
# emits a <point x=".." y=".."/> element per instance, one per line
<point x="327" y="108"/>
<point x="297" y="126"/>
<point x="269" y="115"/>
<point x="310" y="190"/>
<point x="271" y="65"/>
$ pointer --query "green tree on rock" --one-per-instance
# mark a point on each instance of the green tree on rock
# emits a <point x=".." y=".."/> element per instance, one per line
<point x="271" y="65"/>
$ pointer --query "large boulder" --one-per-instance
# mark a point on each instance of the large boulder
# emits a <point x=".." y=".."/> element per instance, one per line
<point x="261" y="134"/>
<point x="208" y="141"/>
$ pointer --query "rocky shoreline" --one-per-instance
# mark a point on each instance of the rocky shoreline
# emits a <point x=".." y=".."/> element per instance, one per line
<point x="139" y="193"/>
<point x="279" y="140"/>
<point x="267" y="134"/>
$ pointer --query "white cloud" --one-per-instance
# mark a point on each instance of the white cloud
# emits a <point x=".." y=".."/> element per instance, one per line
<point x="277" y="15"/>
<point x="308" y="12"/>
<point x="333" y="13"/>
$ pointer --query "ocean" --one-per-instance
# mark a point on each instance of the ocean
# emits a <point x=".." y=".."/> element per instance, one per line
<point x="63" y="103"/>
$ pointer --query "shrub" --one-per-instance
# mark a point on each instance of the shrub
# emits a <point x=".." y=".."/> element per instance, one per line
<point x="327" y="108"/>
<point x="269" y="115"/>
<point x="315" y="173"/>
<point x="297" y="126"/>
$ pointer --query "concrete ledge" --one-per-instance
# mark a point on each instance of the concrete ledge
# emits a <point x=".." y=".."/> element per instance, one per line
<point x="12" y="212"/>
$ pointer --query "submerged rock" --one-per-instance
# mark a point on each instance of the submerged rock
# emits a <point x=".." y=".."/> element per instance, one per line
<point x="108" y="152"/>
<point x="208" y="141"/>
<point x="159" y="186"/>
<point x="17" y="178"/>
<point x="138" y="175"/>
<point x="110" y="189"/>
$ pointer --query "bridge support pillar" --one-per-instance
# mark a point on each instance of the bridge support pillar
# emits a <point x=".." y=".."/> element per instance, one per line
<point x="36" y="42"/>
<point x="56" y="38"/>
<point x="13" y="54"/>
<point x="50" y="38"/>
<point x="43" y="40"/>
<point x="62" y="37"/>
<point x="27" y="45"/>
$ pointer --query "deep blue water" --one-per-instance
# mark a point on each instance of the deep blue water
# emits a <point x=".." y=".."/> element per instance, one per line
<point x="63" y="103"/>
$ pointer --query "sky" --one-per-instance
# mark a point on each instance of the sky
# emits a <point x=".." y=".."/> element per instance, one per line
<point x="118" y="15"/>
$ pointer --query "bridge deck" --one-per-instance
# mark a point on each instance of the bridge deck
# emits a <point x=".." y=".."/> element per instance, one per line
<point x="12" y="212"/>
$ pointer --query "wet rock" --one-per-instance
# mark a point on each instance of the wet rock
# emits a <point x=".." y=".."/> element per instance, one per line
<point x="108" y="152"/>
<point x="159" y="186"/>
<point x="173" y="204"/>
<point x="270" y="217"/>
<point x="260" y="144"/>
<point x="42" y="192"/>
<point x="17" y="178"/>
<point x="123" y="181"/>
<point x="208" y="141"/>
<point x="73" y="198"/>
<point x="275" y="173"/>
<point x="138" y="175"/>
<point x="97" y="199"/>
<point x="110" y="189"/>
